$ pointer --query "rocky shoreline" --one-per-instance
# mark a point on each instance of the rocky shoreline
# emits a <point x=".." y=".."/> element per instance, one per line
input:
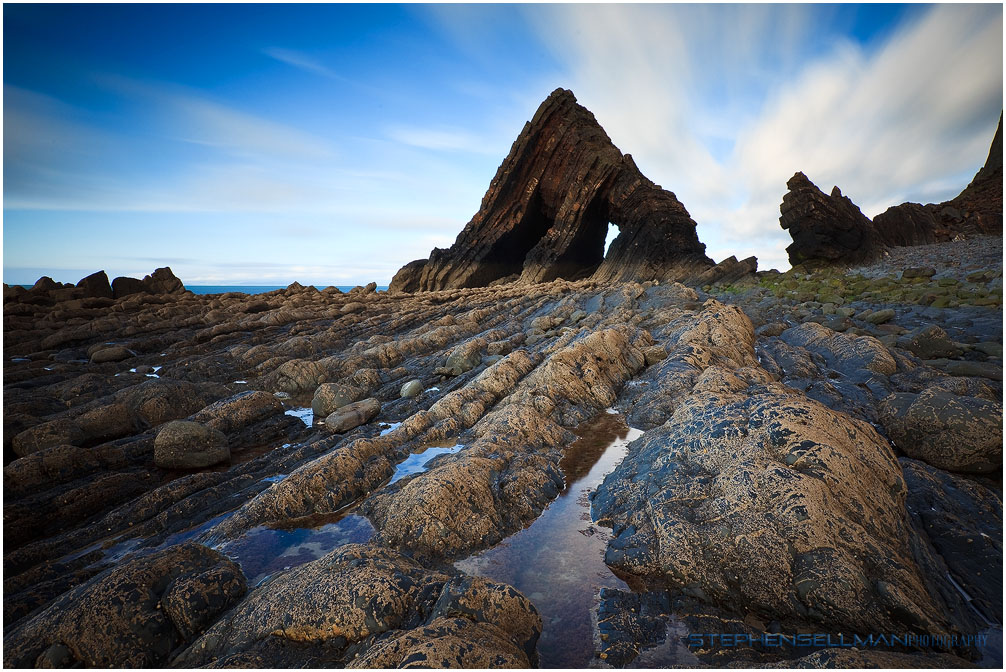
<point x="774" y="440"/>
<point x="309" y="478"/>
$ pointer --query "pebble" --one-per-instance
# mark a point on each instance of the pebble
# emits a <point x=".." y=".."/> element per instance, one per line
<point x="413" y="388"/>
<point x="880" y="316"/>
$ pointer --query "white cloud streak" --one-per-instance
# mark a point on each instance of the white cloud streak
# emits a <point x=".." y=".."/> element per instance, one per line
<point x="193" y="117"/>
<point x="303" y="62"/>
<point x="439" y="139"/>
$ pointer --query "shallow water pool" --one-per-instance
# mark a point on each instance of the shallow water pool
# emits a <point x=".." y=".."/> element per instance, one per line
<point x="265" y="551"/>
<point x="416" y="462"/>
<point x="558" y="561"/>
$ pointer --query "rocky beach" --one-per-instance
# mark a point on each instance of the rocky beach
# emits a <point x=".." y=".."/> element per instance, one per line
<point x="527" y="451"/>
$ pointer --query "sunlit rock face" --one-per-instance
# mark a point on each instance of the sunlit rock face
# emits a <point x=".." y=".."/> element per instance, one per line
<point x="546" y="214"/>
<point x="753" y="494"/>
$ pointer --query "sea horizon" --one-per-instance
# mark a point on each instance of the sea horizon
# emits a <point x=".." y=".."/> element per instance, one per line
<point x="247" y="289"/>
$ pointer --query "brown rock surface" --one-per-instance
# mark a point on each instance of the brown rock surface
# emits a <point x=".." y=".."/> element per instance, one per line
<point x="953" y="432"/>
<point x="532" y="361"/>
<point x="329" y="397"/>
<point x="757" y="495"/>
<point x="117" y="619"/>
<point x="352" y="415"/>
<point x="365" y="593"/>
<point x="181" y="444"/>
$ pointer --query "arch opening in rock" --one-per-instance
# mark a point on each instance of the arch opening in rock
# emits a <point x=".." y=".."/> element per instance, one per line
<point x="609" y="237"/>
<point x="511" y="250"/>
<point x="582" y="248"/>
<point x="547" y="213"/>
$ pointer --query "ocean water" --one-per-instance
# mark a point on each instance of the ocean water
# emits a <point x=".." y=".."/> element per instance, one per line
<point x="257" y="289"/>
<point x="250" y="289"/>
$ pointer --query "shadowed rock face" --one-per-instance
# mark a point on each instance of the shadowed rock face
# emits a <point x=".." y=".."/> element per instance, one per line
<point x="161" y="281"/>
<point x="546" y="215"/>
<point x="976" y="210"/>
<point x="832" y="229"/>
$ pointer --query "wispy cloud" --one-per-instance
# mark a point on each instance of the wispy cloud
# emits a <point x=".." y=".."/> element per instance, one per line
<point x="892" y="125"/>
<point x="439" y="139"/>
<point x="194" y="117"/>
<point x="303" y="62"/>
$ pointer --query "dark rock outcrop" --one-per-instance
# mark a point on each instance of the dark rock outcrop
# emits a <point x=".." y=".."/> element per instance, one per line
<point x="833" y="230"/>
<point x="829" y="228"/>
<point x="546" y="215"/>
<point x="161" y="281"/>
<point x="976" y="210"/>
<point x="409" y="277"/>
<point x="124" y="286"/>
<point x="96" y="285"/>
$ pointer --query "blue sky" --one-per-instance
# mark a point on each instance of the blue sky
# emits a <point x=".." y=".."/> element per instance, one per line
<point x="331" y="144"/>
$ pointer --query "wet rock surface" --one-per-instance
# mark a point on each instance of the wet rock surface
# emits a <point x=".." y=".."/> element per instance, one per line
<point x="772" y="488"/>
<point x="962" y="519"/>
<point x="133" y="615"/>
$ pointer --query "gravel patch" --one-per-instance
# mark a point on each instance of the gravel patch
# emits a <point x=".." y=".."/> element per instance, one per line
<point x="951" y="259"/>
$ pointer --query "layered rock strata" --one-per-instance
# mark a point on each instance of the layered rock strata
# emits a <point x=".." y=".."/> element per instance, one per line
<point x="828" y="228"/>
<point x="547" y="211"/>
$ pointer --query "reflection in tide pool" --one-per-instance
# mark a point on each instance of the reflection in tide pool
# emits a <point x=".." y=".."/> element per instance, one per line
<point x="558" y="562"/>
<point x="264" y="551"/>
<point x="388" y="429"/>
<point x="416" y="462"/>
<point x="305" y="414"/>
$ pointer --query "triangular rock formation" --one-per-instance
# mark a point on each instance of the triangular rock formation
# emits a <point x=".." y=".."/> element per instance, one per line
<point x="546" y="215"/>
<point x="832" y="229"/>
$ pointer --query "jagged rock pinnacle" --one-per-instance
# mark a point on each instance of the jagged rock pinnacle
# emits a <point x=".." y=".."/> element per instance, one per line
<point x="546" y="215"/>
